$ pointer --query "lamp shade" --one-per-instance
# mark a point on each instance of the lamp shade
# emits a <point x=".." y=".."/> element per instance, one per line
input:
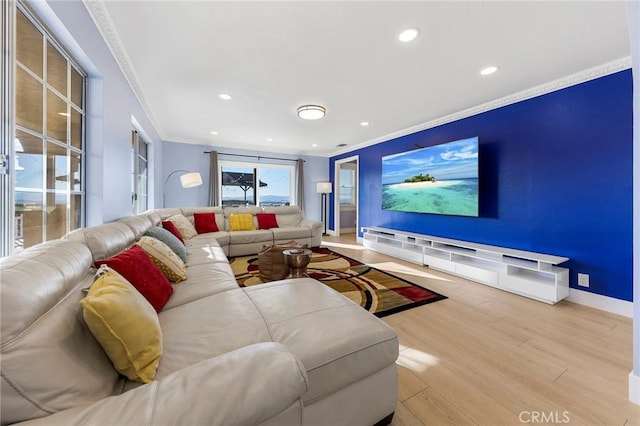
<point x="323" y="187"/>
<point x="189" y="180"/>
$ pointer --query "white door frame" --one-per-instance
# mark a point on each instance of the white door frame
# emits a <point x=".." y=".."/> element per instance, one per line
<point x="336" y="192"/>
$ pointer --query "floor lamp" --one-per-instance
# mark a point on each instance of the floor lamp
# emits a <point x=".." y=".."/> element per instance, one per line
<point x="188" y="180"/>
<point x="324" y="188"/>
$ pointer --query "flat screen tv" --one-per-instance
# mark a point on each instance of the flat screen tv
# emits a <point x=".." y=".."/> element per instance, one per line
<point x="439" y="179"/>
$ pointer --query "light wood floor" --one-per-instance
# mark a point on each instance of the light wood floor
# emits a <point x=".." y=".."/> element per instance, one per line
<point x="488" y="357"/>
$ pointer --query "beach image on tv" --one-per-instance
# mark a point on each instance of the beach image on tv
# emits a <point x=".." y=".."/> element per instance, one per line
<point x="441" y="179"/>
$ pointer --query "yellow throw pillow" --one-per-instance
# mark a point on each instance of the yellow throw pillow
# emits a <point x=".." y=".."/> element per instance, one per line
<point x="166" y="259"/>
<point x="186" y="228"/>
<point x="241" y="222"/>
<point x="125" y="324"/>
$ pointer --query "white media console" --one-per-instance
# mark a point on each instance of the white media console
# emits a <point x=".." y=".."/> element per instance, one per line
<point x="528" y="274"/>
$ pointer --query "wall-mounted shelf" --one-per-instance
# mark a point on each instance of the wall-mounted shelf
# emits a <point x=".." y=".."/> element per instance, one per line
<point x="530" y="274"/>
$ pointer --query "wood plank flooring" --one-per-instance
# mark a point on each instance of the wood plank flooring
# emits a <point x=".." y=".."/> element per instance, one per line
<point x="488" y="357"/>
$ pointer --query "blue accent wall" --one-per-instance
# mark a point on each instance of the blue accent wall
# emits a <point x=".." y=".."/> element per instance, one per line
<point x="556" y="177"/>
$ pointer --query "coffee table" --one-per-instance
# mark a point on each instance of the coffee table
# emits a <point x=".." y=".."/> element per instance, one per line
<point x="297" y="259"/>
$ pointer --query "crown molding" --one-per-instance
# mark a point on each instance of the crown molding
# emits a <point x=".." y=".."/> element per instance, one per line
<point x="543" y="89"/>
<point x="100" y="15"/>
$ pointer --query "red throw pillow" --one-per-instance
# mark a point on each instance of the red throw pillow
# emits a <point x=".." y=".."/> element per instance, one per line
<point x="137" y="268"/>
<point x="205" y="222"/>
<point x="169" y="226"/>
<point x="266" y="220"/>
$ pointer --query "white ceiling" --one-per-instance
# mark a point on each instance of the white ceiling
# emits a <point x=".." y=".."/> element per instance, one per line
<point x="275" y="56"/>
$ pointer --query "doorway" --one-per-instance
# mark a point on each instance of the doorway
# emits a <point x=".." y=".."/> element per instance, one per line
<point x="345" y="218"/>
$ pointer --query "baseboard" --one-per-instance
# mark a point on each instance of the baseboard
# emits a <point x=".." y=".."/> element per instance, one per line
<point x="634" y="388"/>
<point x="604" y="303"/>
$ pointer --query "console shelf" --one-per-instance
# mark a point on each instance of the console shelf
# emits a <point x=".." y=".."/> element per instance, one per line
<point x="529" y="274"/>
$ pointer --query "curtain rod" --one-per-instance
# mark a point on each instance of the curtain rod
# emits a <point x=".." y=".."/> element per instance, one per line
<point x="255" y="156"/>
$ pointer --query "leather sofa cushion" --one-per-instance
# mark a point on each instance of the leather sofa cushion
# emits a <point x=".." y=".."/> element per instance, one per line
<point x="204" y="279"/>
<point x="138" y="224"/>
<point x="225" y="321"/>
<point x="350" y="344"/>
<point x="49" y="357"/>
<point x="105" y="240"/>
<point x="280" y="234"/>
<point x="287" y="216"/>
<point x="206" y="254"/>
<point x="250" y="237"/>
<point x="337" y="341"/>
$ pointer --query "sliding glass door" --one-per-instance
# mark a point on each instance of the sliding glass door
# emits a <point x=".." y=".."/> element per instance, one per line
<point x="244" y="184"/>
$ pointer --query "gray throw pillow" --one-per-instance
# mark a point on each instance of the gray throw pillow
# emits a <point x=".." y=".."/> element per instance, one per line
<point x="169" y="239"/>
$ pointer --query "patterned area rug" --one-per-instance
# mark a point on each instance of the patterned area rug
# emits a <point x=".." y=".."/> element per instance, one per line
<point x="376" y="291"/>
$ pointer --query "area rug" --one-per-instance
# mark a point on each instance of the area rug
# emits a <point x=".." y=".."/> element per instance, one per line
<point x="376" y="291"/>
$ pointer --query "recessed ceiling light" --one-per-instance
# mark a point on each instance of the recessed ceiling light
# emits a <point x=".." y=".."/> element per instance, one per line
<point x="269" y="139"/>
<point x="213" y="132"/>
<point x="408" y="35"/>
<point x="314" y="145"/>
<point x="311" y="112"/>
<point x="488" y="70"/>
<point x="364" y="123"/>
<point x="224" y="96"/>
<point x="340" y="145"/>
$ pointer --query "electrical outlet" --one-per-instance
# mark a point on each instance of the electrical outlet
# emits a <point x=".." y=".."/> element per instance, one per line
<point x="583" y="280"/>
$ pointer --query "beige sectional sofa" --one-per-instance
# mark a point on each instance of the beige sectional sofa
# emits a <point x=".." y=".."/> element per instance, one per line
<point x="283" y="353"/>
<point x="291" y="226"/>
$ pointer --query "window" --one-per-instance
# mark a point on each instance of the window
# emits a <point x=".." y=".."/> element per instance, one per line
<point x="139" y="173"/>
<point x="244" y="183"/>
<point x="347" y="184"/>
<point x="48" y="143"/>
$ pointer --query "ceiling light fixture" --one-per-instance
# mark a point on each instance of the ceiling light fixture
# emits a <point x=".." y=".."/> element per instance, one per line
<point x="489" y="70"/>
<point x="311" y="112"/>
<point x="364" y="123"/>
<point x="213" y="132"/>
<point x="225" y="96"/>
<point x="314" y="145"/>
<point x="408" y="35"/>
<point x="269" y="139"/>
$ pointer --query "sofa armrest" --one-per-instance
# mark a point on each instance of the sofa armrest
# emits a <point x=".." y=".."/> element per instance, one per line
<point x="313" y="224"/>
<point x="246" y="386"/>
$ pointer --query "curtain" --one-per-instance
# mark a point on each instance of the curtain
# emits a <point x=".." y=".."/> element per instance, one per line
<point x="300" y="185"/>
<point x="214" y="185"/>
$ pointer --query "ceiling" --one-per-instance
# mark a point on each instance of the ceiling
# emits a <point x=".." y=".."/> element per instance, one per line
<point x="273" y="57"/>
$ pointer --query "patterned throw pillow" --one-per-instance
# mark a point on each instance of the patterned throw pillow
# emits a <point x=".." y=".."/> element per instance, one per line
<point x="137" y="268"/>
<point x="241" y="222"/>
<point x="169" y="263"/>
<point x="170" y="240"/>
<point x="205" y="222"/>
<point x="125" y="324"/>
<point x="266" y="220"/>
<point x="184" y="226"/>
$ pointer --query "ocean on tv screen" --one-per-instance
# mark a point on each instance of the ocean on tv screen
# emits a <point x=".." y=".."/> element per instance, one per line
<point x="439" y="179"/>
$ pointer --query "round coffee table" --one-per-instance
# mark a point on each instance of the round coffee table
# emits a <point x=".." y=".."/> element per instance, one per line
<point x="297" y="259"/>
